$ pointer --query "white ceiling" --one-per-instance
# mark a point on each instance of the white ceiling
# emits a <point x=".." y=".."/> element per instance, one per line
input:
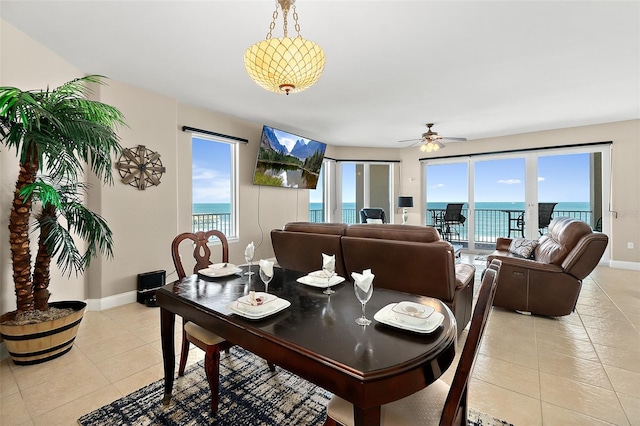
<point x="477" y="69"/>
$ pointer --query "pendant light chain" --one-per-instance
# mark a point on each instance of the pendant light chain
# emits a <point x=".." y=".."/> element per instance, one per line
<point x="295" y="18"/>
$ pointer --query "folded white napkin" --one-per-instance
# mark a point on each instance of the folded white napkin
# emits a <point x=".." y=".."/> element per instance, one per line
<point x="249" y="251"/>
<point x="363" y="280"/>
<point x="329" y="262"/>
<point x="267" y="267"/>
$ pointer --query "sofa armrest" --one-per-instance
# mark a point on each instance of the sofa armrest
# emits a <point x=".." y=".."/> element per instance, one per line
<point x="503" y="244"/>
<point x="465" y="275"/>
<point x="519" y="262"/>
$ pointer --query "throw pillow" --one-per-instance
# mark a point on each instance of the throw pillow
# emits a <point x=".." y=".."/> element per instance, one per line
<point x="374" y="221"/>
<point x="523" y="247"/>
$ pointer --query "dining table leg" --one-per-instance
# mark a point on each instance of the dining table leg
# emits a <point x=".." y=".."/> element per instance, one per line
<point x="167" y="333"/>
<point x="366" y="416"/>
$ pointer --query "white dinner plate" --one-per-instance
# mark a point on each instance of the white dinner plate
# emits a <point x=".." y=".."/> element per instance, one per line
<point x="217" y="270"/>
<point x="387" y="316"/>
<point x="275" y="307"/>
<point x="320" y="282"/>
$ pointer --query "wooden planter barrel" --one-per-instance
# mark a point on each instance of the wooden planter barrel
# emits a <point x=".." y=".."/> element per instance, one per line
<point x="36" y="343"/>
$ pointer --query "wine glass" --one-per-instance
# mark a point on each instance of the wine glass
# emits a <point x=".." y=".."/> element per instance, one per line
<point x="329" y="270"/>
<point x="266" y="279"/>
<point x="363" y="297"/>
<point x="249" y="258"/>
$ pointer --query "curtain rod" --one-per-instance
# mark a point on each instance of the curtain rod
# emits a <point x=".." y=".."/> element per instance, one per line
<point x="509" y="151"/>
<point x="207" y="132"/>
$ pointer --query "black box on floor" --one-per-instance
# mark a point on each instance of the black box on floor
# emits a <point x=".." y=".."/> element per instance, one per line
<point x="148" y="282"/>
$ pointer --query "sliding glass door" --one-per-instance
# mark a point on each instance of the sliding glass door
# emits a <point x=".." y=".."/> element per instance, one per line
<point x="517" y="194"/>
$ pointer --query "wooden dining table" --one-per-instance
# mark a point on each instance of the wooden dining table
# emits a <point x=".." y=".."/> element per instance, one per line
<point x="316" y="337"/>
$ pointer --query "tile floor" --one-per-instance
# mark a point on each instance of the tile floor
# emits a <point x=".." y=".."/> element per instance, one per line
<point x="582" y="369"/>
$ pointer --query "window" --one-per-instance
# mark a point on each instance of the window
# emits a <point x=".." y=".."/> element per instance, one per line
<point x="214" y="185"/>
<point x="365" y="185"/>
<point x="316" y="199"/>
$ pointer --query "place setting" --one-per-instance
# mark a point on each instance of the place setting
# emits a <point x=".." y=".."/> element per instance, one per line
<point x="324" y="278"/>
<point x="410" y="316"/>
<point x="259" y="304"/>
<point x="219" y="270"/>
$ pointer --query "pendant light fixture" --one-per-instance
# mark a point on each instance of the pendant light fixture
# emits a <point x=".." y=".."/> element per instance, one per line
<point x="284" y="65"/>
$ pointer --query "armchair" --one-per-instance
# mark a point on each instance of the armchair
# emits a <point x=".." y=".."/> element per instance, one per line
<point x="549" y="283"/>
<point x="372" y="215"/>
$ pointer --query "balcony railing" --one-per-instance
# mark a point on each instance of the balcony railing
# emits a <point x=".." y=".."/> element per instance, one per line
<point x="206" y="222"/>
<point x="489" y="224"/>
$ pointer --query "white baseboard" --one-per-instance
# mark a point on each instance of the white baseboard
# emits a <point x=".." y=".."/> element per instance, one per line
<point x="111" y="301"/>
<point x="633" y="266"/>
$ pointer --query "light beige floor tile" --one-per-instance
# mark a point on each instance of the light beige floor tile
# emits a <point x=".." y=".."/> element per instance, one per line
<point x="504" y="404"/>
<point x="69" y="413"/>
<point x="582" y="398"/>
<point x="624" y="381"/>
<point x="554" y="415"/>
<point x="13" y="410"/>
<point x="28" y="376"/>
<point x="561" y="329"/>
<point x="111" y="346"/>
<point x="140" y="379"/>
<point x="8" y="385"/>
<point x="571" y="347"/>
<point x="619" y="357"/>
<point x="618" y="338"/>
<point x="128" y="363"/>
<point x="510" y="347"/>
<point x="507" y="375"/>
<point x="55" y="393"/>
<point x="578" y="369"/>
<point x="631" y="407"/>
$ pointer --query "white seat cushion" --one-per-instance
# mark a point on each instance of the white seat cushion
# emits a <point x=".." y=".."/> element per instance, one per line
<point x="205" y="336"/>
<point x="420" y="409"/>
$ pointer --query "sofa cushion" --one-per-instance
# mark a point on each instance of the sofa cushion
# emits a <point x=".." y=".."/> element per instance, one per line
<point x="316" y="228"/>
<point x="523" y="247"/>
<point x="412" y="233"/>
<point x="564" y="233"/>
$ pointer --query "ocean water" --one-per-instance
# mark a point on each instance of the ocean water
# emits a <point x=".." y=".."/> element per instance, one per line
<point x="208" y="208"/>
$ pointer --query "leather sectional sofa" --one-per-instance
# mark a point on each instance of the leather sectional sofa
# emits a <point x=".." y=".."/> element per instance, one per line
<point x="549" y="283"/>
<point x="413" y="259"/>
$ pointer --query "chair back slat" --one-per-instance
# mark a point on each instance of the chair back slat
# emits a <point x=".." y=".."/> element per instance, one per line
<point x="201" y="251"/>
<point x="455" y="407"/>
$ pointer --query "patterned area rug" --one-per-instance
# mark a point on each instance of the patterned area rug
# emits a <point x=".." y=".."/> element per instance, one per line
<point x="249" y="395"/>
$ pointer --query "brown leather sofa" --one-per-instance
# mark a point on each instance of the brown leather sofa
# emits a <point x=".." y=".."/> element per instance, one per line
<point x="299" y="245"/>
<point x="413" y="259"/>
<point x="550" y="283"/>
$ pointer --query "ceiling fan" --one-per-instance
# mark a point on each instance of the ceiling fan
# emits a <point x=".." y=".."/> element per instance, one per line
<point x="431" y="140"/>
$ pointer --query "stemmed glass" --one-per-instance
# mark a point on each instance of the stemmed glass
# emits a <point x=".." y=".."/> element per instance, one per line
<point x="266" y="279"/>
<point x="249" y="258"/>
<point x="329" y="271"/>
<point x="363" y="297"/>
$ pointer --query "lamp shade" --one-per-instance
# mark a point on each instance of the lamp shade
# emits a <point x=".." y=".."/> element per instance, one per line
<point x="405" y="201"/>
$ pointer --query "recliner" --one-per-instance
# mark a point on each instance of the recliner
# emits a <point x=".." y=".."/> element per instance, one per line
<point x="550" y="283"/>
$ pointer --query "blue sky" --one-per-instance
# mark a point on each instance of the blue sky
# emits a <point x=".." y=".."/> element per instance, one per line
<point x="561" y="178"/>
<point x="211" y="171"/>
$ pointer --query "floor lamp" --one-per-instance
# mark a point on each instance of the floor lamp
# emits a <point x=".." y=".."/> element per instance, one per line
<point x="405" y="202"/>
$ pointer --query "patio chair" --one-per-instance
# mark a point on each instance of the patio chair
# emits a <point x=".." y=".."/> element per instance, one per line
<point x="448" y="222"/>
<point x="545" y="214"/>
<point x="373" y="215"/>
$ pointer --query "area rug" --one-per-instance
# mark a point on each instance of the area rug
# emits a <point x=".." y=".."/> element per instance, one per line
<point x="250" y="394"/>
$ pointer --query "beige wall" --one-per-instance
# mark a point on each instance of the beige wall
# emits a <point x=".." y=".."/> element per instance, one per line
<point x="144" y="222"/>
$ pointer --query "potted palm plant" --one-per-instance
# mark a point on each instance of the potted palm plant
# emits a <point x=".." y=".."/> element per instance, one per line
<point x="56" y="134"/>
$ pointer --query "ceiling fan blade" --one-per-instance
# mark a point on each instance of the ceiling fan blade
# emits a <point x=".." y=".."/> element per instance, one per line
<point x="453" y="139"/>
<point x="410" y="140"/>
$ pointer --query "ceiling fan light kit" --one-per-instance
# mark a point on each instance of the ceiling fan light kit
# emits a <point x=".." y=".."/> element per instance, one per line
<point x="284" y="65"/>
<point x="430" y="140"/>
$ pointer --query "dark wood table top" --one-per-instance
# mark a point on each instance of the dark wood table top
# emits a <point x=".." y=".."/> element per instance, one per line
<point x="317" y="337"/>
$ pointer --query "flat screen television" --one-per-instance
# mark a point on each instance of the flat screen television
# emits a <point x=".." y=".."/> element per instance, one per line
<point x="288" y="160"/>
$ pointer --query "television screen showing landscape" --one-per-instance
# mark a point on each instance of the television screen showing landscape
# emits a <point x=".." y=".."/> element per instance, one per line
<point x="288" y="160"/>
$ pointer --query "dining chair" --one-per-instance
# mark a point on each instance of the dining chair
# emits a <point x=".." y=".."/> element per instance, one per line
<point x="209" y="342"/>
<point x="438" y="403"/>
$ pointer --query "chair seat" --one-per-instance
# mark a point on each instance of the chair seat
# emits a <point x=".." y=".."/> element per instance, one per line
<point x="420" y="409"/>
<point x="199" y="333"/>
